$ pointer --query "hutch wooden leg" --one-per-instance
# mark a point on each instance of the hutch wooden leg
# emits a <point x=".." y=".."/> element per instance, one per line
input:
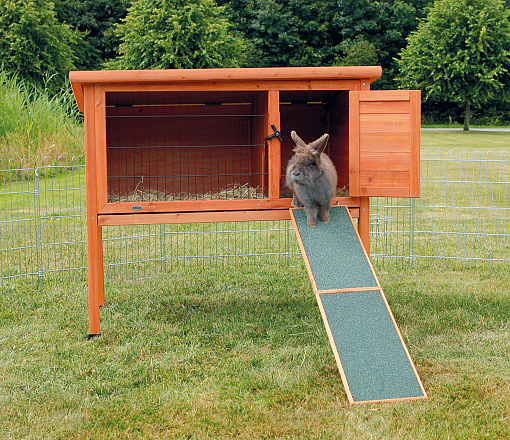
<point x="364" y="223"/>
<point x="95" y="274"/>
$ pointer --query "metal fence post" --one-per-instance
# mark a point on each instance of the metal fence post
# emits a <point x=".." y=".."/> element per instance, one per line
<point x="38" y="229"/>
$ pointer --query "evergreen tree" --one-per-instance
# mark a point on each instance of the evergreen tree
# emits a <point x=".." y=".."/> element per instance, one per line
<point x="33" y="43"/>
<point x="94" y="20"/>
<point x="164" y="34"/>
<point x="460" y="53"/>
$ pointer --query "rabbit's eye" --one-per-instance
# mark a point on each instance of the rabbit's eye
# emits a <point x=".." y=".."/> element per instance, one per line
<point x="310" y="163"/>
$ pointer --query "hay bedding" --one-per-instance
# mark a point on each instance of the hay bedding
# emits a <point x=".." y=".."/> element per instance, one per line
<point x="232" y="192"/>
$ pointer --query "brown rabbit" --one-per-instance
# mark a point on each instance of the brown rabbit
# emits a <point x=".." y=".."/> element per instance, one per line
<point x="312" y="178"/>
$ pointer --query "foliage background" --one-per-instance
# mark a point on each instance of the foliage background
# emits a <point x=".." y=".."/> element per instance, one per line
<point x="41" y="40"/>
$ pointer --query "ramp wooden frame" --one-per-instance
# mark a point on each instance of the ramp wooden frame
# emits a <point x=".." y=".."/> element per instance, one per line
<point x="377" y="287"/>
<point x="374" y="143"/>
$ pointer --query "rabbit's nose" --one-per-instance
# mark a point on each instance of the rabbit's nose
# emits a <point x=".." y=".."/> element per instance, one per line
<point x="296" y="173"/>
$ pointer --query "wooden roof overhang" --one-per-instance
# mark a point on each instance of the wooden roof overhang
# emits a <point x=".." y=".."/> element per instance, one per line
<point x="260" y="78"/>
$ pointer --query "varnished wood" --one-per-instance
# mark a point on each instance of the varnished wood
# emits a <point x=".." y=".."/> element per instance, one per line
<point x="354" y="142"/>
<point x="213" y="205"/>
<point x="94" y="233"/>
<point x="100" y="146"/>
<point x="364" y="224"/>
<point x="193" y="217"/>
<point x="415" y="96"/>
<point x="124" y="155"/>
<point x="274" y="151"/>
<point x="383" y="145"/>
<point x="214" y="76"/>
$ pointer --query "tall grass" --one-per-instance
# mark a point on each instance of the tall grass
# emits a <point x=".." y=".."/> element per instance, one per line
<point x="35" y="124"/>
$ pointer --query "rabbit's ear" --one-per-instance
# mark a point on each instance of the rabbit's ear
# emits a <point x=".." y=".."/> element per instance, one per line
<point x="298" y="141"/>
<point x="320" y="144"/>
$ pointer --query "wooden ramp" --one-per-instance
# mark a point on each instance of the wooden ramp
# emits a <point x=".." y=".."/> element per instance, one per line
<point x="371" y="355"/>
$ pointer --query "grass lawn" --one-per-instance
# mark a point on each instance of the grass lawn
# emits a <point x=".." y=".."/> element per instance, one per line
<point x="470" y="141"/>
<point x="238" y="350"/>
<point x="244" y="354"/>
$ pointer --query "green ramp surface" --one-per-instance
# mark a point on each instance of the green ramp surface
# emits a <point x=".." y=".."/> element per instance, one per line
<point x="334" y="252"/>
<point x="371" y="355"/>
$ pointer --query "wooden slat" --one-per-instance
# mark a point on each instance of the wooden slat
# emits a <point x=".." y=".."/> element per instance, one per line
<point x="415" y="143"/>
<point x="354" y="142"/>
<point x="193" y="217"/>
<point x="274" y="148"/>
<point x="94" y="233"/>
<point x="100" y="140"/>
<point x="385" y="124"/>
<point x="211" y="75"/>
<point x="388" y="192"/>
<point x="386" y="161"/>
<point x="385" y="179"/>
<point x="393" y="142"/>
<point x="214" y="205"/>
<point x="384" y="95"/>
<point x="363" y="229"/>
<point x="227" y="86"/>
<point x="384" y="107"/>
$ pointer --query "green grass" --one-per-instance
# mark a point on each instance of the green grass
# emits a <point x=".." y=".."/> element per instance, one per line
<point x="35" y="124"/>
<point x="231" y="348"/>
<point x="469" y="141"/>
<point x="244" y="354"/>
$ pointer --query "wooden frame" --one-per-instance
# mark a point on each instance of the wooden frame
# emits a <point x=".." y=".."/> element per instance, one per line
<point x="377" y="287"/>
<point x="285" y="96"/>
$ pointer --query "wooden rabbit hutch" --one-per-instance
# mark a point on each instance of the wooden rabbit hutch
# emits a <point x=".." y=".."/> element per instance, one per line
<point x="179" y="146"/>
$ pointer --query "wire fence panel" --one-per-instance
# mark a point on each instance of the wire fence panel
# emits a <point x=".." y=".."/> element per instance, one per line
<point x="463" y="212"/>
<point x="61" y="220"/>
<point x="19" y="242"/>
<point x="460" y="221"/>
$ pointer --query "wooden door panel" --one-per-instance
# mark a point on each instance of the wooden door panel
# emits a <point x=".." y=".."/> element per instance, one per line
<point x="384" y="143"/>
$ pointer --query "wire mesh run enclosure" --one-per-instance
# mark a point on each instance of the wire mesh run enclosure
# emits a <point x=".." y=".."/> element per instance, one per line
<point x="212" y="145"/>
<point x="186" y="145"/>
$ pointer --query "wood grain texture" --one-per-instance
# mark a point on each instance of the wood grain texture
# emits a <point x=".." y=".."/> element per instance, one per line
<point x="386" y="145"/>
<point x="94" y="232"/>
<point x="371" y="355"/>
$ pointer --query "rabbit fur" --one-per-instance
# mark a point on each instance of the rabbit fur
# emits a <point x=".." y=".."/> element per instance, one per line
<point x="312" y="178"/>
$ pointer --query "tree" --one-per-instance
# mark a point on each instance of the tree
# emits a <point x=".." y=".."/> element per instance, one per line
<point x="94" y="20"/>
<point x="460" y="52"/>
<point x="322" y="32"/>
<point x="32" y="42"/>
<point x="179" y="34"/>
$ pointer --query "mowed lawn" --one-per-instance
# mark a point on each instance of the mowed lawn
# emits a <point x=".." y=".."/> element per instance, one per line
<point x="243" y="353"/>
<point x="239" y="351"/>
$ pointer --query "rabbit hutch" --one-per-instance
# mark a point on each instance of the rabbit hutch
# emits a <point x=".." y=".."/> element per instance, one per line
<point x="212" y="145"/>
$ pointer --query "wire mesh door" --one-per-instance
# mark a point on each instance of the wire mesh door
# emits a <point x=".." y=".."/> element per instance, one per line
<point x="176" y="145"/>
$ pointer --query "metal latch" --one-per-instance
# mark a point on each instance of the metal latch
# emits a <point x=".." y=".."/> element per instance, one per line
<point x="275" y="134"/>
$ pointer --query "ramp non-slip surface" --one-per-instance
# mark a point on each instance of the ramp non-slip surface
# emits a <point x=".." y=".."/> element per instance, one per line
<point x="371" y="355"/>
<point x="334" y="252"/>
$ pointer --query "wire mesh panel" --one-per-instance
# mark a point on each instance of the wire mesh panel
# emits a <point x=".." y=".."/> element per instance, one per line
<point x="61" y="219"/>
<point x="391" y="229"/>
<point x="167" y="146"/>
<point x="133" y="251"/>
<point x="232" y="244"/>
<point x="19" y="240"/>
<point x="461" y="220"/>
<point x="463" y="214"/>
